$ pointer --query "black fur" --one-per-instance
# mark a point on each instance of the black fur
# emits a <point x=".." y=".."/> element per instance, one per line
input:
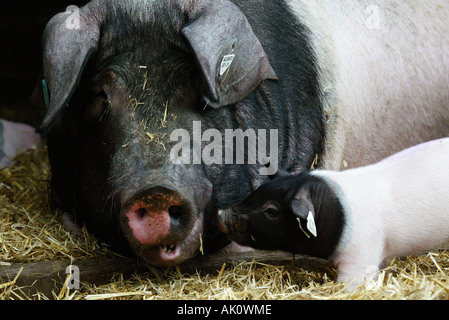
<point x="280" y="230"/>
<point x="91" y="168"/>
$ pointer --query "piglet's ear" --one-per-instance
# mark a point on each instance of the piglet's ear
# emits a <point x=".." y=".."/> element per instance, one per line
<point x="231" y="57"/>
<point x="302" y="207"/>
<point x="66" y="50"/>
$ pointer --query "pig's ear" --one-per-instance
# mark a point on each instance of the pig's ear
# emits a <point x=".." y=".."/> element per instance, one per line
<point x="231" y="57"/>
<point x="302" y="207"/>
<point x="66" y="50"/>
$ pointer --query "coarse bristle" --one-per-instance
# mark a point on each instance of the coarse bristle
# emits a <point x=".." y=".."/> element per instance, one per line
<point x="30" y="232"/>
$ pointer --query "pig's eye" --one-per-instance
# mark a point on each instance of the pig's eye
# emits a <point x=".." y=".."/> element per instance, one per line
<point x="271" y="212"/>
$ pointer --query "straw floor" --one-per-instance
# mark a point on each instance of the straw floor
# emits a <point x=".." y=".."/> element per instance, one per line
<point x="30" y="232"/>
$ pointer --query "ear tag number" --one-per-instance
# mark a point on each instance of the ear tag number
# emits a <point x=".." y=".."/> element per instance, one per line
<point x="226" y="63"/>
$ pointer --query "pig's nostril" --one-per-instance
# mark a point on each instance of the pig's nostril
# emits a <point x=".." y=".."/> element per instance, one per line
<point x="176" y="212"/>
<point x="142" y="212"/>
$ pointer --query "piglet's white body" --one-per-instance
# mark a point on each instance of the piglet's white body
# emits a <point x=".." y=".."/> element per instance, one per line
<point x="395" y="207"/>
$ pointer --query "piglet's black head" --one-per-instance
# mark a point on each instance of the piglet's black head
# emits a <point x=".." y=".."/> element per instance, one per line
<point x="300" y="214"/>
<point x="269" y="221"/>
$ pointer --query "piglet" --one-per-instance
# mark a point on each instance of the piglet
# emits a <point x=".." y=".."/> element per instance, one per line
<point x="357" y="218"/>
<point x="14" y="138"/>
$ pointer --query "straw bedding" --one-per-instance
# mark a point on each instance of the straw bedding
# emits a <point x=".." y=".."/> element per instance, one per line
<point x="30" y="232"/>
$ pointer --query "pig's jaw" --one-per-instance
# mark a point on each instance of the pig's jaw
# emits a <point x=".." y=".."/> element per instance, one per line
<point x="171" y="254"/>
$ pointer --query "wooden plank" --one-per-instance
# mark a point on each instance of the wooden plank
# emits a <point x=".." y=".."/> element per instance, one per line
<point x="214" y="262"/>
<point x="47" y="277"/>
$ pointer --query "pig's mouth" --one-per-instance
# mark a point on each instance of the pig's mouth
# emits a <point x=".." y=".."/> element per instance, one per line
<point x="163" y="227"/>
<point x="176" y="253"/>
<point x="169" y="253"/>
<point x="169" y="249"/>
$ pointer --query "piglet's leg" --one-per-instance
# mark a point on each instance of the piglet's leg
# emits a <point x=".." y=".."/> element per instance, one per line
<point x="355" y="273"/>
<point x="355" y="276"/>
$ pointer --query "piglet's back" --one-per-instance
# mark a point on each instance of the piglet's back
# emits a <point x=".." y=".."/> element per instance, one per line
<point x="402" y="201"/>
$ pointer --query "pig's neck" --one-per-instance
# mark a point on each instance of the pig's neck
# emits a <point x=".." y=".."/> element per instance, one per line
<point x="330" y="220"/>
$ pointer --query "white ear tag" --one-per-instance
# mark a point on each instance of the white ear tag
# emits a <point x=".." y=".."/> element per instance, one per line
<point x="311" y="224"/>
<point x="226" y="63"/>
<point x="300" y="226"/>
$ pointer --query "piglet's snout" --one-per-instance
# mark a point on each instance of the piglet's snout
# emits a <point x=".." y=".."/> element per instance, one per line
<point x="157" y="217"/>
<point x="232" y="222"/>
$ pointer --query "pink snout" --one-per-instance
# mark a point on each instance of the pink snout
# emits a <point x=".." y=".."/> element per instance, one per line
<point x="150" y="218"/>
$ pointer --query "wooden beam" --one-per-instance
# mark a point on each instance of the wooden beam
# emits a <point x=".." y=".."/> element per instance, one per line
<point x="214" y="262"/>
<point x="48" y="277"/>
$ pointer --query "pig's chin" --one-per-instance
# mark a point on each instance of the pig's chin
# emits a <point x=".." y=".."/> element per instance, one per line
<point x="171" y="254"/>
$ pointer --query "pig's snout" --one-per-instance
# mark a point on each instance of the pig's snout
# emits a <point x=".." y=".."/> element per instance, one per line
<point x="159" y="216"/>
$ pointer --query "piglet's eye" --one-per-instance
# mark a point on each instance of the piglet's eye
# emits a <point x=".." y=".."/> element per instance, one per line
<point x="271" y="212"/>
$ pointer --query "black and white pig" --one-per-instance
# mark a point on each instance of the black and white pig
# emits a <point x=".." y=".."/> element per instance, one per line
<point x="357" y="218"/>
<point x="344" y="82"/>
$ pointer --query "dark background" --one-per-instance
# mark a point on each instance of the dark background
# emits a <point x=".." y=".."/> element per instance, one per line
<point x="21" y="28"/>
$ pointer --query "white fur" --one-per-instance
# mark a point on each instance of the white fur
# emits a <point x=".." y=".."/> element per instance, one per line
<point x="386" y="86"/>
<point x="395" y="207"/>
